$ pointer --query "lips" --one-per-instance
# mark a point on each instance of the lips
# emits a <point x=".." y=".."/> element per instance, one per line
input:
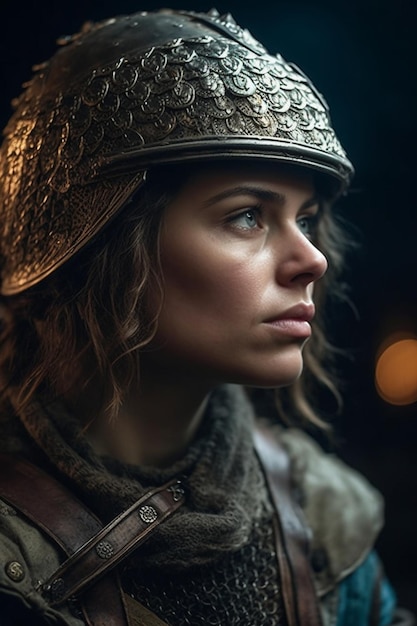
<point x="302" y="312"/>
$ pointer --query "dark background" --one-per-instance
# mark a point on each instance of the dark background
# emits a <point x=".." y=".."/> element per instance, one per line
<point x="362" y="56"/>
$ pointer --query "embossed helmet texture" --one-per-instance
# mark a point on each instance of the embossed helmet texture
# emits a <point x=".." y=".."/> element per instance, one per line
<point x="135" y="91"/>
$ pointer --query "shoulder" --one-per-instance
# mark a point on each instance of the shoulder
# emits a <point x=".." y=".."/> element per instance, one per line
<point x="343" y="510"/>
<point x="27" y="558"/>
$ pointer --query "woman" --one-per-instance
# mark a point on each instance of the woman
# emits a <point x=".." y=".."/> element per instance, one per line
<point x="166" y="194"/>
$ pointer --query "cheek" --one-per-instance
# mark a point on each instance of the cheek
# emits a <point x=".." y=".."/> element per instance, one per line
<point x="209" y="283"/>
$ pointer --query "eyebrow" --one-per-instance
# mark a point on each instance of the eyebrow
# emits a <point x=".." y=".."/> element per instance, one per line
<point x="267" y="195"/>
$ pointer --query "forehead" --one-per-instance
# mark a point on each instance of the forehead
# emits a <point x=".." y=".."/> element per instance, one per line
<point x="207" y="190"/>
<point x="212" y="177"/>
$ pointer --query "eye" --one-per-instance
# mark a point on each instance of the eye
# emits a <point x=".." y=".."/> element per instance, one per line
<point x="308" y="225"/>
<point x="246" y="220"/>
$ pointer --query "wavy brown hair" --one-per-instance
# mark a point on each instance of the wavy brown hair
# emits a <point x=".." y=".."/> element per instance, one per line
<point x="89" y="319"/>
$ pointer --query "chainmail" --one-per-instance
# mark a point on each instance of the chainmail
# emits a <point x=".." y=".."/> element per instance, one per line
<point x="241" y="589"/>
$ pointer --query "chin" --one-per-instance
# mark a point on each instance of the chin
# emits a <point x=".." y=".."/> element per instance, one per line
<point x="281" y="373"/>
<point x="275" y="376"/>
<point x="275" y="382"/>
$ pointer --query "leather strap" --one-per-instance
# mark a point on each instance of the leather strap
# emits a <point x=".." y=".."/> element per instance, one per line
<point x="114" y="542"/>
<point x="291" y="532"/>
<point x="80" y="534"/>
<point x="51" y="507"/>
<point x="93" y="550"/>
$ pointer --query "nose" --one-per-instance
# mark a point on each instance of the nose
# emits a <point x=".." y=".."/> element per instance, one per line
<point x="302" y="263"/>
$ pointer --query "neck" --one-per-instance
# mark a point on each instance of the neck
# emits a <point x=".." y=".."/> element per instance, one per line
<point x="154" y="426"/>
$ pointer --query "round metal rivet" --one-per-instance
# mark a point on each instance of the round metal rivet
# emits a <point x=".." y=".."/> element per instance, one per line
<point x="104" y="549"/>
<point x="15" y="571"/>
<point x="148" y="514"/>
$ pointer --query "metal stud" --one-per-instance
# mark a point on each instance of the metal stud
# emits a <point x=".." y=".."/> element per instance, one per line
<point x="148" y="514"/>
<point x="15" y="571"/>
<point x="104" y="549"/>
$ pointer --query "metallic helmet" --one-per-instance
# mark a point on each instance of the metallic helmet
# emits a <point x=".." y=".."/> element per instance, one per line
<point x="135" y="91"/>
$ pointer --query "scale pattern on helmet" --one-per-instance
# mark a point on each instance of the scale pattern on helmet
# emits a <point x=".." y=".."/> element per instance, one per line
<point x="55" y="194"/>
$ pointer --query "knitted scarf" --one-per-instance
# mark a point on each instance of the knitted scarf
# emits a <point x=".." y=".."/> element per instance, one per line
<point x="224" y="485"/>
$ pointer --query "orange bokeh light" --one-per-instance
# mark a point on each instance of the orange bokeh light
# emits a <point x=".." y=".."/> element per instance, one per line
<point x="396" y="372"/>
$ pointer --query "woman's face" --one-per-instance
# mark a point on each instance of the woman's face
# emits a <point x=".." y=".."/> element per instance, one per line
<point x="239" y="268"/>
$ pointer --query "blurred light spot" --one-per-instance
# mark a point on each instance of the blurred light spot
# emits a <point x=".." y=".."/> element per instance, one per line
<point x="396" y="372"/>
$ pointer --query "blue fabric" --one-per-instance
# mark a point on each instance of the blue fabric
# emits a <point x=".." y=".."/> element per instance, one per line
<point x="356" y="594"/>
